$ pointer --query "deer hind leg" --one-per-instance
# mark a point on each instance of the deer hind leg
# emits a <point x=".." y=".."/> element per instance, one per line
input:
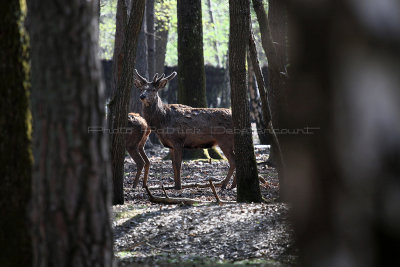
<point x="176" y="156"/>
<point x="230" y="155"/>
<point x="146" y="165"/>
<point x="134" y="153"/>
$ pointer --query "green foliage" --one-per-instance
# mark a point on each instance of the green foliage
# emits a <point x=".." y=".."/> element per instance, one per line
<point x="108" y="9"/>
<point x="165" y="14"/>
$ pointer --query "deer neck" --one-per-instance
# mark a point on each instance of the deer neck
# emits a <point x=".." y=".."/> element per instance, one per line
<point x="155" y="113"/>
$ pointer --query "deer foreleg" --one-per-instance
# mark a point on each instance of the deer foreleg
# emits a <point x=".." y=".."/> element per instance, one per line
<point x="146" y="165"/>
<point x="230" y="155"/>
<point x="176" y="156"/>
<point x="134" y="153"/>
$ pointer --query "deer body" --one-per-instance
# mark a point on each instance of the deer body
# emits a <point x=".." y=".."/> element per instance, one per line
<point x="135" y="142"/>
<point x="179" y="126"/>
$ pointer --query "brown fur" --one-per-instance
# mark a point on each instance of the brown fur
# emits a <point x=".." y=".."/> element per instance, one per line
<point x="135" y="142"/>
<point x="179" y="126"/>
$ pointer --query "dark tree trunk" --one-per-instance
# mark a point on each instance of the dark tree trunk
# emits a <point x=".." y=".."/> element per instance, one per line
<point x="151" y="52"/>
<point x="161" y="40"/>
<point x="121" y="21"/>
<point x="275" y="50"/>
<point x="162" y="30"/>
<point x="142" y="67"/>
<point x="15" y="138"/>
<point x="118" y="58"/>
<point x="150" y="38"/>
<point x="345" y="176"/>
<point x="255" y="105"/>
<point x="266" y="111"/>
<point x="226" y="90"/>
<point x="191" y="73"/>
<point x="71" y="176"/>
<point x="119" y="102"/>
<point x="248" y="188"/>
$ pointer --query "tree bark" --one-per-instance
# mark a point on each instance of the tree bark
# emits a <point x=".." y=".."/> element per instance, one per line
<point x="162" y="30"/>
<point x="248" y="189"/>
<point x="161" y="40"/>
<point x="255" y="104"/>
<point x="120" y="100"/>
<point x="275" y="49"/>
<point x="226" y="90"/>
<point x="150" y="38"/>
<point x="121" y="19"/>
<point x="191" y="73"/>
<point x="344" y="177"/>
<point x="71" y="175"/>
<point x="142" y="67"/>
<point x="266" y="110"/>
<point x="15" y="138"/>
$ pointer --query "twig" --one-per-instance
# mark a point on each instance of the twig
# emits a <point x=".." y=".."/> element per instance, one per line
<point x="165" y="192"/>
<point x="214" y="192"/>
<point x="170" y="200"/>
<point x="190" y="185"/>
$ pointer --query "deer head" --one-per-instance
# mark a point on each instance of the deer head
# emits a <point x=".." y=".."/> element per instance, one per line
<point x="149" y="90"/>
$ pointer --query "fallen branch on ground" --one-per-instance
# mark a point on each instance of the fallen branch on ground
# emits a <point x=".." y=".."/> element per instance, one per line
<point x="185" y="201"/>
<point x="219" y="201"/>
<point x="170" y="200"/>
<point x="190" y="185"/>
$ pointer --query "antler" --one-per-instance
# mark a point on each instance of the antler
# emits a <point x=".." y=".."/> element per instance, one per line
<point x="171" y="76"/>
<point x="155" y="77"/>
<point x="159" y="78"/>
<point x="168" y="78"/>
<point x="144" y="80"/>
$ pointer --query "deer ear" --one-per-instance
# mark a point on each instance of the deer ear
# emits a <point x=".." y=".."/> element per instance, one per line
<point x="161" y="84"/>
<point x="137" y="83"/>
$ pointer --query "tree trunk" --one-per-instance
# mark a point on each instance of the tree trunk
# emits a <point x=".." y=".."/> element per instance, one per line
<point x="248" y="188"/>
<point x="150" y="38"/>
<point x="71" y="176"/>
<point x="346" y="188"/>
<point x="15" y="138"/>
<point x="119" y="102"/>
<point x="226" y="90"/>
<point x="161" y="44"/>
<point x="275" y="50"/>
<point x="191" y="73"/>
<point x="121" y="21"/>
<point x="118" y="57"/>
<point x="161" y="41"/>
<point x="142" y="67"/>
<point x="255" y="105"/>
<point x="215" y="44"/>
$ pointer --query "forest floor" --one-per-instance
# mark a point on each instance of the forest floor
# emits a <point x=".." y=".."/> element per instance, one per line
<point x="148" y="234"/>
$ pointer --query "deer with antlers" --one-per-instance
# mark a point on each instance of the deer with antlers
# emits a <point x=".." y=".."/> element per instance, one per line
<point x="179" y="126"/>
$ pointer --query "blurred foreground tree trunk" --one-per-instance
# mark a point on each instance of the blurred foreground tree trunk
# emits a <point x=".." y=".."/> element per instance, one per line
<point x="248" y="188"/>
<point x="71" y="196"/>
<point x="15" y="138"/>
<point x="119" y="103"/>
<point x="344" y="175"/>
